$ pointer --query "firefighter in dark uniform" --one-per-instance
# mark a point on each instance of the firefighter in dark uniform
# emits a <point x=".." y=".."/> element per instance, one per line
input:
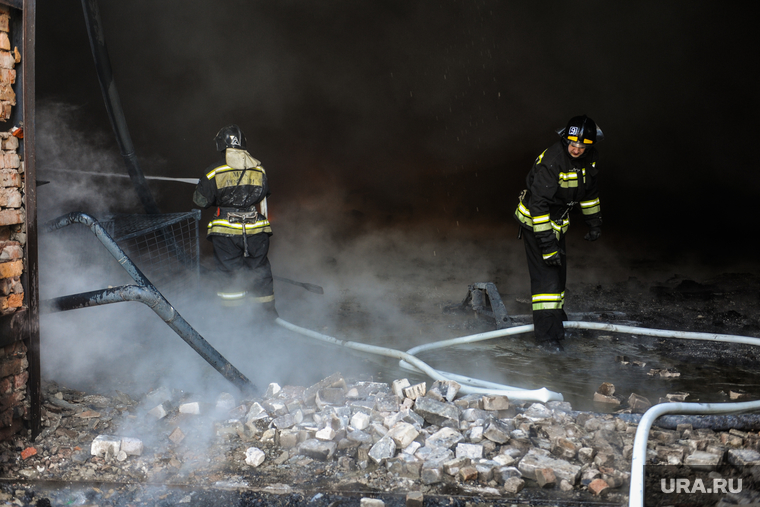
<point x="563" y="177"/>
<point x="239" y="230"/>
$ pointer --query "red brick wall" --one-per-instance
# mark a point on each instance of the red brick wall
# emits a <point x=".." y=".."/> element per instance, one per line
<point x="13" y="377"/>
<point x="13" y="360"/>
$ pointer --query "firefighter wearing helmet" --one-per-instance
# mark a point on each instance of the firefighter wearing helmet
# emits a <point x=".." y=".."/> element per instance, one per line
<point x="562" y="180"/>
<point x="237" y="188"/>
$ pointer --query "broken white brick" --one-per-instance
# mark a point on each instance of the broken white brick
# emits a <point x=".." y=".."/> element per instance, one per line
<point x="384" y="448"/>
<point x="288" y="438"/>
<point x="497" y="431"/>
<point x="414" y="499"/>
<point x="193" y="408"/>
<point x="371" y="502"/>
<point x="431" y="475"/>
<point x="436" y="412"/>
<point x="540" y="458"/>
<point x="412" y="448"/>
<point x="132" y="446"/>
<point x="412" y="417"/>
<point x="105" y="445"/>
<point x="254" y="456"/>
<point x="391" y="419"/>
<point x="257" y="412"/>
<point x="513" y="485"/>
<point x="398" y="387"/>
<point x="701" y="460"/>
<point x="273" y="390"/>
<point x="403" y="434"/>
<point x="415" y="391"/>
<point x="504" y="459"/>
<point x="285" y="421"/>
<point x="538" y="411"/>
<point x="360" y="421"/>
<point x="325" y="434"/>
<point x="268" y="436"/>
<point x="277" y="408"/>
<point x="378" y="429"/>
<point x="453" y="465"/>
<point x="476" y="434"/>
<point x="472" y="451"/>
<point x="448" y="389"/>
<point x="159" y="411"/>
<point x="496" y="402"/>
<point x="444" y="438"/>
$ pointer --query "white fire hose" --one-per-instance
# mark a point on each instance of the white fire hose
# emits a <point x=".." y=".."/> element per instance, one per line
<point x="638" y="460"/>
<point x="543" y="395"/>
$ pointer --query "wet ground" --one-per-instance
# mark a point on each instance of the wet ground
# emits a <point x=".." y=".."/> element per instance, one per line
<point x="708" y="371"/>
<point x="650" y="366"/>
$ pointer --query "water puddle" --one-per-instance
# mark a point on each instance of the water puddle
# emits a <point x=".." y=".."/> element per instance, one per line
<point x="631" y="364"/>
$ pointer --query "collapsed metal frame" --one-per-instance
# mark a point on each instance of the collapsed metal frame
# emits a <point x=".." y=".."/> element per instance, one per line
<point x="144" y="292"/>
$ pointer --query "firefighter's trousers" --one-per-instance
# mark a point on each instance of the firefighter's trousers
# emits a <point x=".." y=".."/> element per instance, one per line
<point x="245" y="277"/>
<point x="547" y="287"/>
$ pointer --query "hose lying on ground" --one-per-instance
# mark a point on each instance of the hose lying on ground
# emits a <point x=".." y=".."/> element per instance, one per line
<point x="543" y="395"/>
<point x="408" y="360"/>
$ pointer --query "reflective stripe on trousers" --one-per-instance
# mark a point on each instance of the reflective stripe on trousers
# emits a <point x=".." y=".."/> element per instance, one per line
<point x="548" y="301"/>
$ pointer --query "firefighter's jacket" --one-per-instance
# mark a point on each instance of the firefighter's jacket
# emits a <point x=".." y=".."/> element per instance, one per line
<point x="557" y="183"/>
<point x="237" y="185"/>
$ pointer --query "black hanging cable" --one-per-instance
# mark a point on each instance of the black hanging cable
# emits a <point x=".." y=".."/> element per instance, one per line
<point x="113" y="104"/>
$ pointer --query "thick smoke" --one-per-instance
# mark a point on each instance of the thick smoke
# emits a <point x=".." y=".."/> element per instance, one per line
<point x="386" y="282"/>
<point x="377" y="280"/>
<point x="66" y="153"/>
<point x="398" y="105"/>
<point x="396" y="137"/>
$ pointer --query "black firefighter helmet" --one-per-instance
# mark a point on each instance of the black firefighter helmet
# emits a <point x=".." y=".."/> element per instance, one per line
<point x="581" y="131"/>
<point x="230" y="137"/>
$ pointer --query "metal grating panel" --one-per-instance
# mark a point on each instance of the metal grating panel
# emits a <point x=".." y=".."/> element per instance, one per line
<point x="165" y="247"/>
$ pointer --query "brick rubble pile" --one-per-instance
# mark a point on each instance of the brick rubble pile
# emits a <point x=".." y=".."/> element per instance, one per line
<point x="363" y="436"/>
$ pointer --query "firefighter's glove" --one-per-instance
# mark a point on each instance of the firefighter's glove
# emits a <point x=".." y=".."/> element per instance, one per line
<point x="553" y="260"/>
<point x="593" y="234"/>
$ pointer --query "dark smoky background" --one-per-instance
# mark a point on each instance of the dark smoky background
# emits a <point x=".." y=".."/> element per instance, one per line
<point x="420" y="110"/>
<point x="397" y="135"/>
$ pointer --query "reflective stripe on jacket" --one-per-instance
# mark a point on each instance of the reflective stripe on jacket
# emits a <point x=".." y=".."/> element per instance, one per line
<point x="556" y="184"/>
<point x="223" y="226"/>
<point x="234" y="188"/>
<point x="226" y="176"/>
